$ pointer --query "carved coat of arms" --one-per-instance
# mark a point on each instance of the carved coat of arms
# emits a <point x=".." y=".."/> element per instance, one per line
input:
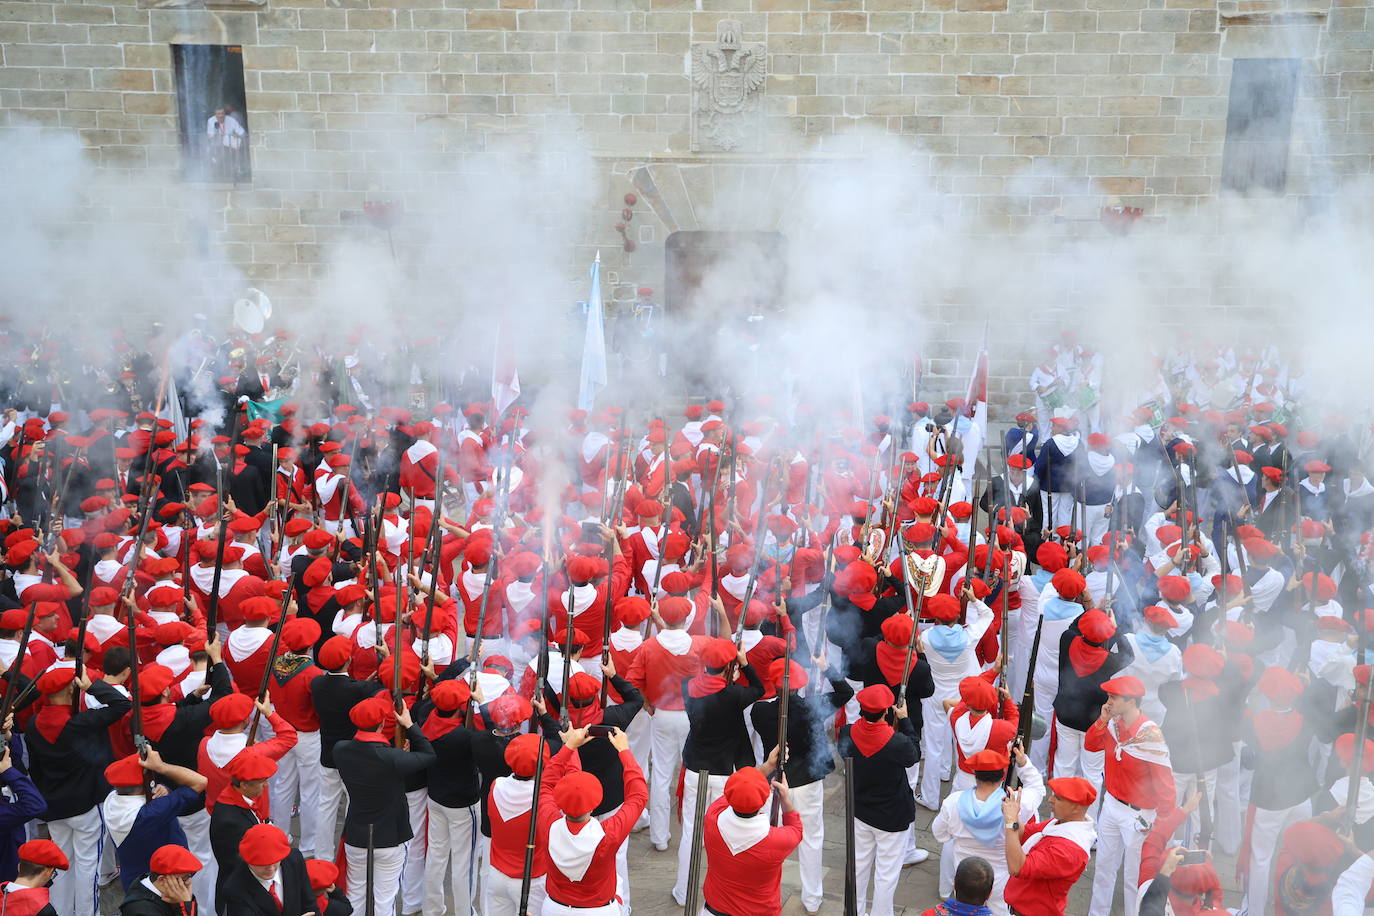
<point x="727" y="80"/>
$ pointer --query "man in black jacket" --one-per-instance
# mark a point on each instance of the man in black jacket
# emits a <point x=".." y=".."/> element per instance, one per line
<point x="68" y="753"/>
<point x="166" y="889"/>
<point x="454" y="796"/>
<point x="884" y="805"/>
<point x="270" y="879"/>
<point x="810" y="756"/>
<point x="334" y="694"/>
<point x="239" y="808"/>
<point x="374" y="774"/>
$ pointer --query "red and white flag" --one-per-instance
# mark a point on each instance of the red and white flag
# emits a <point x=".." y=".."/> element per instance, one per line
<point x="505" y="378"/>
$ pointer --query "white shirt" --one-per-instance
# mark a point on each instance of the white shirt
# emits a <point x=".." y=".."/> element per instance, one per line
<point x="231" y="134"/>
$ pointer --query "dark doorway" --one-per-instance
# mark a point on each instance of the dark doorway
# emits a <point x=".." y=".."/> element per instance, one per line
<point x="720" y="277"/>
<point x="213" y="113"/>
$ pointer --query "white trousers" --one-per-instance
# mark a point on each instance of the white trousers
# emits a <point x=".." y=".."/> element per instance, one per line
<point x="641" y="737"/>
<point x="386" y="877"/>
<point x="937" y="749"/>
<point x="1072" y="759"/>
<point x="74" y="890"/>
<point x="667" y="734"/>
<point x="1228" y="816"/>
<point x="296" y="784"/>
<point x="1264" y="846"/>
<point x="1119" y="838"/>
<point x="1044" y="708"/>
<point x="1188" y="832"/>
<point x="877" y="854"/>
<point x="1063" y="509"/>
<point x="1095" y="523"/>
<point x="715" y="788"/>
<point x="452" y="836"/>
<point x="197" y="827"/>
<point x="331" y="795"/>
<point x="413" y="875"/>
<point x="622" y="863"/>
<point x="501" y="894"/>
<point x="809" y="801"/>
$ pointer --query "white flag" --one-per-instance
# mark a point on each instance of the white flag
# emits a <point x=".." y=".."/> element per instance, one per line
<point x="593" y="345"/>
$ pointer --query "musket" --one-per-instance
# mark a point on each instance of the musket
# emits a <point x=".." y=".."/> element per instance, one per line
<point x="527" y="877"/>
<point x="609" y="603"/>
<point x="1353" y="782"/>
<point x="851" y="881"/>
<point x="498" y="522"/>
<point x="398" y="699"/>
<point x="968" y="561"/>
<point x="714" y="541"/>
<point x="274" y="520"/>
<point x="542" y="668"/>
<point x="435" y="538"/>
<point x="212" y="608"/>
<point x="12" y="676"/>
<point x="1027" y="710"/>
<point x="370" y="908"/>
<point x="753" y="571"/>
<point x="564" y="713"/>
<point x="271" y="660"/>
<point x="784" y="696"/>
<point x="693" y="907"/>
<point x="825" y="603"/>
<point x="872" y="479"/>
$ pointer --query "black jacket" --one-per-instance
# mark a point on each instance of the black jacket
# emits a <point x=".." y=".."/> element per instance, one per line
<point x="334" y="696"/>
<point x="374" y="775"/>
<point x="599" y="757"/>
<point x="882" y="796"/>
<point x="180" y="743"/>
<point x="244" y="895"/>
<point x="140" y="901"/>
<point x="716" y="737"/>
<point x="810" y="755"/>
<point x="454" y="780"/>
<point x="70" y="772"/>
<point x="1078" y="702"/>
<point x="919" y="683"/>
<point x="228" y="824"/>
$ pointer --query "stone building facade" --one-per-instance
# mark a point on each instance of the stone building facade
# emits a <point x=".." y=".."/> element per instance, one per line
<point x="1020" y="110"/>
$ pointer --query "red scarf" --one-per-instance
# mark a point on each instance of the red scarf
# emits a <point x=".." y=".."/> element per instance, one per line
<point x="1199" y="688"/>
<point x="371" y="737"/>
<point x="51" y="720"/>
<point x="436" y="726"/>
<point x="1277" y="730"/>
<point x="870" y="737"/>
<point x="1085" y="657"/>
<point x="891" y="660"/>
<point x="157" y="719"/>
<point x="863" y="600"/>
<point x="582" y="716"/>
<point x="260" y="806"/>
<point x="703" y="685"/>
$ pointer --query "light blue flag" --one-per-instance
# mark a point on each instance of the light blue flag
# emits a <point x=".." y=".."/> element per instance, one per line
<point x="593" y="345"/>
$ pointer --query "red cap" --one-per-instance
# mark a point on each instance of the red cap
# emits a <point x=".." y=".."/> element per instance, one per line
<point x="875" y="698"/>
<point x="897" y="629"/>
<point x="1280" y="686"/>
<point x="942" y="608"/>
<point x="231" y="711"/>
<point x="522" y="755"/>
<point x="55" y="680"/>
<point x="1174" y="588"/>
<point x="173" y="860"/>
<point x="747" y="790"/>
<point x="43" y="852"/>
<point x="1068" y="583"/>
<point x="322" y="874"/>
<point x="451" y="695"/>
<point x="264" y="844"/>
<point x="977" y="693"/>
<point x="796" y="674"/>
<point x="1124" y="686"/>
<point x="335" y="653"/>
<point x="1096" y="626"/>
<point x="1073" y="789"/>
<point x="718" y="652"/>
<point x="577" y="793"/>
<point x="987" y="761"/>
<point x="124" y="772"/>
<point x="249" y="764"/>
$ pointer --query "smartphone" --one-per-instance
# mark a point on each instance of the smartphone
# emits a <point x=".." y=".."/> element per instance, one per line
<point x="1191" y="857"/>
<point x="591" y="531"/>
<point x="600" y="731"/>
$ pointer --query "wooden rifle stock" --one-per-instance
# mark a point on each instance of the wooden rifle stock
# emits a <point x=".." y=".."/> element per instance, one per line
<point x="212" y="609"/>
<point x="527" y="877"/>
<point x="271" y="660"/>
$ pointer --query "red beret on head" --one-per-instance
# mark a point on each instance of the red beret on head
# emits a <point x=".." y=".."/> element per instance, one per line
<point x="249" y="764"/>
<point x="264" y="844"/>
<point x="1273" y="473"/>
<point x="350" y="594"/>
<point x="1019" y="462"/>
<point x="739" y="557"/>
<point x="942" y="608"/>
<point x="522" y="754"/>
<point x="230" y="711"/>
<point x="164" y="596"/>
<point x="796" y="674"/>
<point x="299" y="633"/>
<point x="897" y="629"/>
<point x="368" y="715"/>
<point x="14" y="619"/>
<point x="1333" y="624"/>
<point x="1069" y="583"/>
<point x="919" y="533"/>
<point x="1259" y="548"/>
<point x="154" y="679"/>
<point x="1345" y="750"/>
<point x="582" y="686"/>
<point x="174" y="860"/>
<point x="631" y="610"/>
<point x="1073" y="789"/>
<point x="1096" y="626"/>
<point x="988" y="761"/>
<point x="451" y="695"/>
<point x="676" y="583"/>
<point x="977" y="693"/>
<point x="1362" y="674"/>
<point x="43" y="852"/>
<point x="674" y="610"/>
<point x="1174" y="588"/>
<point x="55" y="680"/>
<point x="103" y="596"/>
<point x="317" y="573"/>
<point x="335" y="653"/>
<point x="1237" y="635"/>
<point x="875" y="698"/>
<point x="747" y="790"/>
<point x="258" y="608"/>
<point x="322" y="874"/>
<point x="584" y="569"/>
<point x="19" y="554"/>
<point x="1201" y="660"/>
<point x="577" y="793"/>
<point x="718" y="652"/>
<point x="524" y="564"/>
<point x="1124" y="686"/>
<point x="1051" y="556"/>
<point x="1315" y="846"/>
<point x="124" y="772"/>
<point x="1280" y="686"/>
<point x="317" y="539"/>
<point x="509" y="710"/>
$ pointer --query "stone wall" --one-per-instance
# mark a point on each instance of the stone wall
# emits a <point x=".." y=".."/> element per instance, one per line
<point x="1023" y="110"/>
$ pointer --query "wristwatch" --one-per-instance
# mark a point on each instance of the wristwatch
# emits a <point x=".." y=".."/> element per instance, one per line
<point x="1012" y="825"/>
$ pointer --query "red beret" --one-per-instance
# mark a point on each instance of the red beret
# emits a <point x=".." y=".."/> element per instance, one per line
<point x="582" y="686"/>
<point x="368" y="715"/>
<point x="124" y="772"/>
<point x="631" y="610"/>
<point x="451" y="695"/>
<point x="299" y="633"/>
<point x="335" y="653"/>
<point x="897" y="629"/>
<point x="1068" y="583"/>
<point x="942" y="608"/>
<point x="264" y="844"/>
<point x="1073" y="789"/>
<point x="796" y="674"/>
<point x="317" y="539"/>
<point x="522" y="754"/>
<point x="747" y="790"/>
<point x="249" y="764"/>
<point x="577" y="793"/>
<point x="977" y="693"/>
<point x="1201" y="660"/>
<point x="1174" y="588"/>
<point x="718" y="652"/>
<point x="1273" y="473"/>
<point x="297" y="527"/>
<point x="674" y="610"/>
<point x="875" y="698"/>
<point x="987" y="761"/>
<point x="1124" y="686"/>
<point x="1280" y="686"/>
<point x="584" y="569"/>
<point x="43" y="852"/>
<point x="55" y="680"/>
<point x="1096" y="626"/>
<point x="1345" y="750"/>
<point x="230" y="711"/>
<point x="509" y="710"/>
<point x="173" y="860"/>
<point x="154" y="679"/>
<point x="1051" y="556"/>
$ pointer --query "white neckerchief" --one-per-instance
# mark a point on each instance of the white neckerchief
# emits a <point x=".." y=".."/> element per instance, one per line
<point x="1100" y="464"/>
<point x="177" y="658"/>
<point x="512" y="797"/>
<point x="1080" y="833"/>
<point x="749" y="639"/>
<point x="222" y="748"/>
<point x="627" y="639"/>
<point x="592" y="444"/>
<point x="106" y="570"/>
<point x="1315" y="491"/>
<point x="519" y="594"/>
<point x="1364" y="489"/>
<point x="741" y="833"/>
<point x="1364" y="805"/>
<point x="1067" y="442"/>
<point x="103" y="626"/>
<point x="203" y="577"/>
<point x="572" y="852"/>
<point x="583" y="597"/>
<point x="973" y="736"/>
<point x="651" y="539"/>
<point x="246" y="640"/>
<point x="677" y="642"/>
<point x="120" y="813"/>
<point x="191" y="681"/>
<point x="735" y="585"/>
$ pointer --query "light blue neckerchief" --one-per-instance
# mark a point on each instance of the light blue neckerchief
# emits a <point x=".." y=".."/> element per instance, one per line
<point x="1151" y="646"/>
<point x="1057" y="608"/>
<point x="984" y="819"/>
<point x="950" y="641"/>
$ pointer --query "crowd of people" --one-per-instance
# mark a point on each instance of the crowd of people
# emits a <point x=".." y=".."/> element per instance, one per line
<point x="309" y="657"/>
